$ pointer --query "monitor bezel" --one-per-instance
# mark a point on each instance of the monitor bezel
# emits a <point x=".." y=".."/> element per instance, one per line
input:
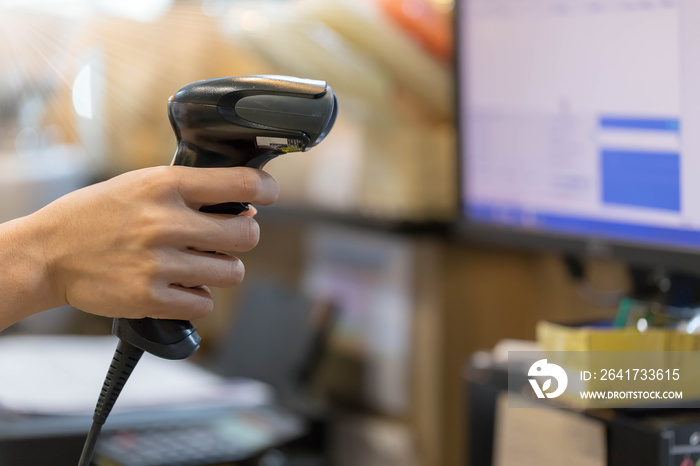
<point x="636" y="253"/>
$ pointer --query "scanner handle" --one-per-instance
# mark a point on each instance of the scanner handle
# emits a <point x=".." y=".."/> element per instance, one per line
<point x="170" y="338"/>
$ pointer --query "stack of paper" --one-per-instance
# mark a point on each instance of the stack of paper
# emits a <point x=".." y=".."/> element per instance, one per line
<point x="64" y="375"/>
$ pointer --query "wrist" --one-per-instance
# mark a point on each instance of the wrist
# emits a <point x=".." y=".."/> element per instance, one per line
<point x="27" y="285"/>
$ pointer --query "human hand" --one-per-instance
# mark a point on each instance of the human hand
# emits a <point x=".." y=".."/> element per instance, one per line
<point x="135" y="246"/>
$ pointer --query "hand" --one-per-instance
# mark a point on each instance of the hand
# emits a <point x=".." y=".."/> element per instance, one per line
<point x="135" y="246"/>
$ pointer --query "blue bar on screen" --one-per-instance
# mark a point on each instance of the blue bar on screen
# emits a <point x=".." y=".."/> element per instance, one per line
<point x="621" y="231"/>
<point x="636" y="123"/>
<point x="579" y="226"/>
<point x="642" y="179"/>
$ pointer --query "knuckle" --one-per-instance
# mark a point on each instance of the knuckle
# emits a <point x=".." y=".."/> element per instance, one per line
<point x="169" y="176"/>
<point x="163" y="180"/>
<point x="150" y="268"/>
<point x="157" y="268"/>
<point x="145" y="295"/>
<point x="155" y="228"/>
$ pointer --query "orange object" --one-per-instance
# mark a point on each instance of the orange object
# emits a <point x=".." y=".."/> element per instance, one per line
<point x="420" y="19"/>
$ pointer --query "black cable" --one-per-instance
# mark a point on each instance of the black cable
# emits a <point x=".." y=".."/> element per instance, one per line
<point x="90" y="442"/>
<point x="125" y="358"/>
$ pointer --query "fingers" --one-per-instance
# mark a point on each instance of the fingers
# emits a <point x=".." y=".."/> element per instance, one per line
<point x="211" y="232"/>
<point x="184" y="303"/>
<point x="183" y="289"/>
<point x="207" y="186"/>
<point x="195" y="268"/>
<point x="176" y="282"/>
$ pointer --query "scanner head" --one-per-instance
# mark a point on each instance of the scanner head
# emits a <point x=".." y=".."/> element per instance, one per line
<point x="248" y="120"/>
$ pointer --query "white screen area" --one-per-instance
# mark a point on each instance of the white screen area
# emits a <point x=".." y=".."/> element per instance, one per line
<point x="582" y="116"/>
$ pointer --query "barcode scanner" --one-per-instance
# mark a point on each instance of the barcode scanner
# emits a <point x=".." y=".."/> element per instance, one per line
<point x="243" y="121"/>
<point x="233" y="122"/>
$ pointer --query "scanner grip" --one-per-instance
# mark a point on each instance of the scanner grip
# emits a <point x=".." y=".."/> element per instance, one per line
<point x="170" y="338"/>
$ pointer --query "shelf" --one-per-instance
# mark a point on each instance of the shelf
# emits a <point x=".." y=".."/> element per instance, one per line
<point x="316" y="215"/>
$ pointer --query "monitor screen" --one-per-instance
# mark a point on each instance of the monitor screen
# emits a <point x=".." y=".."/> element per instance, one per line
<point x="581" y="118"/>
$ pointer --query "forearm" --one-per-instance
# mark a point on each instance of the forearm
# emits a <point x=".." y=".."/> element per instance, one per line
<point x="25" y="284"/>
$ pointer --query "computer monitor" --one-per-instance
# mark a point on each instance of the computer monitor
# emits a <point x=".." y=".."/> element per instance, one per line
<point x="579" y="124"/>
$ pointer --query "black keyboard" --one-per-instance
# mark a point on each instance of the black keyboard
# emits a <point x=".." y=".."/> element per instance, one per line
<point x="226" y="438"/>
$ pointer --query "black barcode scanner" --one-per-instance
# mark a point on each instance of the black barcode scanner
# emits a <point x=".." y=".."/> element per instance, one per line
<point x="233" y="122"/>
<point x="241" y="121"/>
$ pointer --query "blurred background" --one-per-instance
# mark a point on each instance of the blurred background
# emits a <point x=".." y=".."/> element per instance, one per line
<point x="355" y="302"/>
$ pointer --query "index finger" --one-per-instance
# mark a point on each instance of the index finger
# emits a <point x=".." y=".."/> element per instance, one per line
<point x="207" y="186"/>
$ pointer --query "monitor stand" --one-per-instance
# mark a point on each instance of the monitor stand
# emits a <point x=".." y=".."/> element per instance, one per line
<point x="665" y="287"/>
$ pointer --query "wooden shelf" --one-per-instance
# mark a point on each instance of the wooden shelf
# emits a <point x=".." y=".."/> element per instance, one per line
<point x="313" y="214"/>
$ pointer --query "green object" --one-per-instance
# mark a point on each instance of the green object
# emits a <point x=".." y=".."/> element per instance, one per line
<point x="622" y="311"/>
